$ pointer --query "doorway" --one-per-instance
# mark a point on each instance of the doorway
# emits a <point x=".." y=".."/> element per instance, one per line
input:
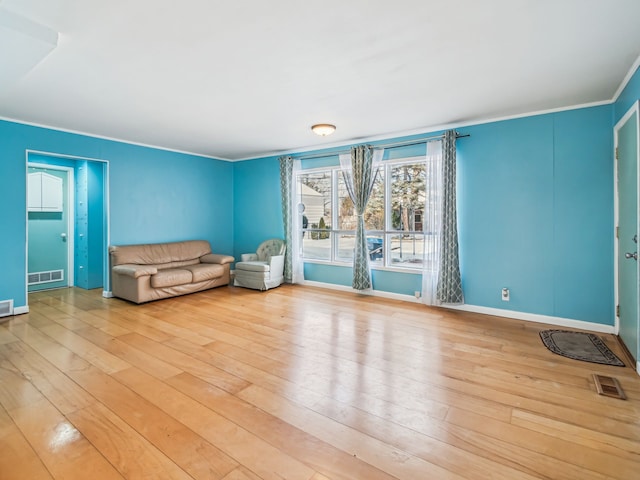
<point x="627" y="153"/>
<point x="67" y="224"/>
<point x="50" y="226"/>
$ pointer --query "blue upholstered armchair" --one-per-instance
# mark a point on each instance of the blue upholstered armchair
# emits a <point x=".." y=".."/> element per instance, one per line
<point x="264" y="269"/>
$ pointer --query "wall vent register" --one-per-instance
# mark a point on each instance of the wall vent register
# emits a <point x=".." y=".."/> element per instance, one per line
<point x="6" y="308"/>
<point x="38" y="278"/>
<point x="608" y="386"/>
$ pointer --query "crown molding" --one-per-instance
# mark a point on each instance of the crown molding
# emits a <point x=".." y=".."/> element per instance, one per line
<point x="373" y="138"/>
<point x="421" y="131"/>
<point x="626" y="79"/>
<point x="111" y="139"/>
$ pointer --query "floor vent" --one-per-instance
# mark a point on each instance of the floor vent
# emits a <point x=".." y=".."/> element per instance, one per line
<point x="609" y="386"/>
<point x="37" y="278"/>
<point x="6" y="308"/>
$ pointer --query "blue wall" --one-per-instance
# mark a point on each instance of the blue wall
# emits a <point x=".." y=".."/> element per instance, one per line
<point x="257" y="206"/>
<point x="629" y="95"/>
<point x="95" y="248"/>
<point x="535" y="215"/>
<point x="535" y="202"/>
<point x="82" y="227"/>
<point x="155" y="195"/>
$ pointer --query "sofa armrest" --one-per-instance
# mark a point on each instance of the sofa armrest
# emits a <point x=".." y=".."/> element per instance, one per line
<point x="135" y="271"/>
<point x="276" y="264"/>
<point x="216" y="258"/>
<point x="249" y="257"/>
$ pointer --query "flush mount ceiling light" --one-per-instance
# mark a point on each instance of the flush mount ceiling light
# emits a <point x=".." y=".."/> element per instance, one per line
<point x="323" y="129"/>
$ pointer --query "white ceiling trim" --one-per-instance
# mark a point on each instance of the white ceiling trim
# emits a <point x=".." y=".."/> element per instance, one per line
<point x="420" y="131"/>
<point x="626" y="79"/>
<point x="238" y="81"/>
<point x="425" y="131"/>
<point x="428" y="130"/>
<point x="111" y="139"/>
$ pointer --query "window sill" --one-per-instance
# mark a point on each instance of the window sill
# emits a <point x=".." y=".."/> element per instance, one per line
<point x="411" y="271"/>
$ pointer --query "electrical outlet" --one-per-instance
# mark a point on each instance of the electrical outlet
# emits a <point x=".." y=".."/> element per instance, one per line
<point x="505" y="294"/>
<point x="417" y="293"/>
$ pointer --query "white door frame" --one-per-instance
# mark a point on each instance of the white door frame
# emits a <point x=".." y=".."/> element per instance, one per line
<point x="635" y="108"/>
<point x="106" y="278"/>
<point x="71" y="215"/>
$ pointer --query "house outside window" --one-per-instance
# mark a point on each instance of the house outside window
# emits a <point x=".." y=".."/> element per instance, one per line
<point x="395" y="218"/>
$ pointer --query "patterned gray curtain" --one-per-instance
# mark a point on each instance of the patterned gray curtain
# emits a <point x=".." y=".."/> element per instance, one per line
<point x="449" y="289"/>
<point x="359" y="178"/>
<point x="286" y="191"/>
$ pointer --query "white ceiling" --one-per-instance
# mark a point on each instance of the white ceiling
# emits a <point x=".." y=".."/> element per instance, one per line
<point x="246" y="78"/>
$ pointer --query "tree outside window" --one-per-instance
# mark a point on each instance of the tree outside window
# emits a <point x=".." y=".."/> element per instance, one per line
<point x="394" y="217"/>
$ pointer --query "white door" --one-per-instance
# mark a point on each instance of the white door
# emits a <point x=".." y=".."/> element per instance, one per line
<point x="627" y="144"/>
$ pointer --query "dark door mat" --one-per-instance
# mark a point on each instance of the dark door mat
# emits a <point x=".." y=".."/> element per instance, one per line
<point x="579" y="346"/>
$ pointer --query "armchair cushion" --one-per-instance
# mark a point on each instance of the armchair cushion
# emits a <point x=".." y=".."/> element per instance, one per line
<point x="253" y="266"/>
<point x="269" y="248"/>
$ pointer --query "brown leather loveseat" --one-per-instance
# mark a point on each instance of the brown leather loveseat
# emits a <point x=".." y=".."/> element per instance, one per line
<point x="141" y="273"/>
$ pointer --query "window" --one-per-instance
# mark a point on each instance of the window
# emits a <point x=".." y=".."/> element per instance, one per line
<point x="395" y="218"/>
<point x="316" y="190"/>
<point x="407" y="204"/>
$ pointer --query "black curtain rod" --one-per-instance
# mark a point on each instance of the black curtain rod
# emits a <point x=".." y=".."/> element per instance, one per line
<point x="382" y="145"/>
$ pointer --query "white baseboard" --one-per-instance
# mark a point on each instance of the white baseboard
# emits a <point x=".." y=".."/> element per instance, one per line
<point x="530" y="317"/>
<point x="107" y="294"/>
<point x="534" y="317"/>
<point x="21" y="310"/>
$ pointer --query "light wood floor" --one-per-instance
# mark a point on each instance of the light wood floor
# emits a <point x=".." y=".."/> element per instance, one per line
<point x="299" y="383"/>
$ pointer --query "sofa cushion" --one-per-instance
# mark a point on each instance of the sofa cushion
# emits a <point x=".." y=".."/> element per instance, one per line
<point x="216" y="258"/>
<point x="179" y="264"/>
<point x="256" y="266"/>
<point x="171" y="277"/>
<point x="205" y="271"/>
<point x="159" y="253"/>
<point x="135" y="271"/>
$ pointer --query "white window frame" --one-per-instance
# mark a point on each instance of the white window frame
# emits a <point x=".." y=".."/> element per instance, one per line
<point x="335" y="233"/>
